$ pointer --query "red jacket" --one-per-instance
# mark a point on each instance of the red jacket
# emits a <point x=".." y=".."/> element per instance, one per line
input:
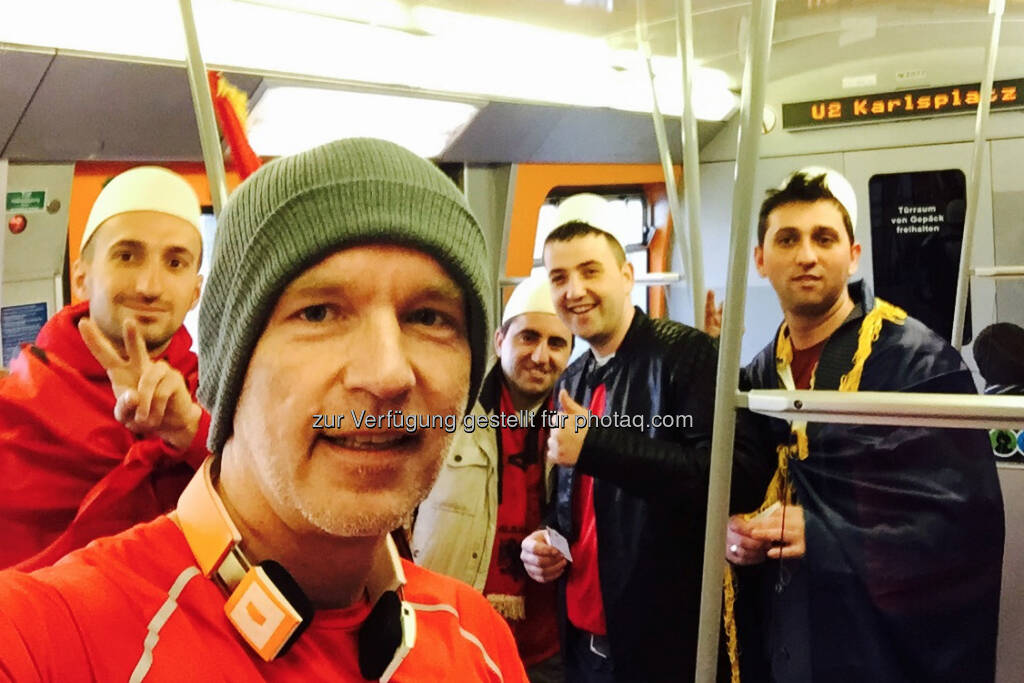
<point x="69" y="472"/>
<point x="137" y="604"/>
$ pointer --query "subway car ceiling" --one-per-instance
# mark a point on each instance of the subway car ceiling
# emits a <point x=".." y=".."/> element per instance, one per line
<point x="550" y="81"/>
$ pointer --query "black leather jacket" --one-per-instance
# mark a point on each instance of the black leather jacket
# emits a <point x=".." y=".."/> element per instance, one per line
<point x="650" y="491"/>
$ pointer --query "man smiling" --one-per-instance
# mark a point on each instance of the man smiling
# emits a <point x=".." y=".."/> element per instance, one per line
<point x="349" y="277"/>
<point x="631" y="502"/>
<point x="492" y="490"/>
<point x="99" y="427"/>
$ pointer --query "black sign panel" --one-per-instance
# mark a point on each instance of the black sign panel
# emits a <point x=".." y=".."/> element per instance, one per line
<point x="917" y="226"/>
<point x="900" y="104"/>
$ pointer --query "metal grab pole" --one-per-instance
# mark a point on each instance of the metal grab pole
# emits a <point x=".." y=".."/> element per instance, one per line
<point x="691" y="161"/>
<point x="996" y="8"/>
<point x="723" y="431"/>
<point x="203" y="104"/>
<point x="671" y="190"/>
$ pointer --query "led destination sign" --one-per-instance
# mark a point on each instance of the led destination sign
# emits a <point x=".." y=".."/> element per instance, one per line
<point x="901" y="104"/>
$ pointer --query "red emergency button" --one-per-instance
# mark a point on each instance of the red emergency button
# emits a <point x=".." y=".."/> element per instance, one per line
<point x="17" y="223"/>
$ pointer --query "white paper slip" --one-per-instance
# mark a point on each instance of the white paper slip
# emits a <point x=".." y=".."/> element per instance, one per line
<point x="767" y="512"/>
<point x="558" y="542"/>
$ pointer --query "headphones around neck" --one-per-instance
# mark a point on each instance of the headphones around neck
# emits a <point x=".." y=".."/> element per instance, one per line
<point x="267" y="606"/>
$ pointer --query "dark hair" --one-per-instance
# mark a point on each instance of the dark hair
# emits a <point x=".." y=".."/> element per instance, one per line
<point x="800" y="188"/>
<point x="997" y="351"/>
<point x="574" y="229"/>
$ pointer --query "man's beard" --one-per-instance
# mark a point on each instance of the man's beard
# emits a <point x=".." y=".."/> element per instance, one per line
<point x="376" y="520"/>
<point x="815" y="309"/>
<point x="152" y="345"/>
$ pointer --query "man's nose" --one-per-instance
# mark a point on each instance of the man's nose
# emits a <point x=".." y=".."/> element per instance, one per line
<point x="378" y="361"/>
<point x="806" y="252"/>
<point x="574" y="287"/>
<point x="149" y="280"/>
<point x="540" y="354"/>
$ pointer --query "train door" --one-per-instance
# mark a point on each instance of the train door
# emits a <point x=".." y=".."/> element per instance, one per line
<point x="37" y="198"/>
<point x="922" y="277"/>
<point x="1008" y="226"/>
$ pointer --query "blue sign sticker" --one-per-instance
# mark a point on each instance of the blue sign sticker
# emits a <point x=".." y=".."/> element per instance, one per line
<point x="18" y="325"/>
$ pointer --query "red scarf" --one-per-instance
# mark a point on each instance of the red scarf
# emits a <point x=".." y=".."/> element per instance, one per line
<point x="520" y="496"/>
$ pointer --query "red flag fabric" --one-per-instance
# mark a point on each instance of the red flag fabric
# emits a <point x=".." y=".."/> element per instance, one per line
<point x="229" y="104"/>
<point x="70" y="472"/>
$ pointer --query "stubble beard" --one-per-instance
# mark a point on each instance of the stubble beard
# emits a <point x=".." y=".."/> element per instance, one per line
<point x="815" y="309"/>
<point x="384" y="513"/>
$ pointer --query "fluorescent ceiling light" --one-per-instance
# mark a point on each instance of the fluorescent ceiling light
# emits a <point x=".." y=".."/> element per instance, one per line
<point x="436" y="52"/>
<point x="497" y="34"/>
<point x="712" y="98"/>
<point x="289" y="119"/>
<point x="377" y="12"/>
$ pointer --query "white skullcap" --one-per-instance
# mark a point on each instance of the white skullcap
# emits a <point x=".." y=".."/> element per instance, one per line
<point x="595" y="211"/>
<point x="145" y="188"/>
<point x="532" y="295"/>
<point x="835" y="183"/>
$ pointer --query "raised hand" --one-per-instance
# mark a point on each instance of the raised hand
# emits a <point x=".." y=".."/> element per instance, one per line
<point x="152" y="397"/>
<point x="712" y="315"/>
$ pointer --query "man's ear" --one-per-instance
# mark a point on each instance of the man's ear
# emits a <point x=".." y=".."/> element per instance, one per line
<point x="498" y="339"/>
<point x="759" y="260"/>
<point x="854" y="257"/>
<point x="78" y="272"/>
<point x="627" y="272"/>
<point x="195" y="295"/>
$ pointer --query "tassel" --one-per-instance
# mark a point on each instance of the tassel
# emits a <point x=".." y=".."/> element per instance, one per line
<point x="512" y="607"/>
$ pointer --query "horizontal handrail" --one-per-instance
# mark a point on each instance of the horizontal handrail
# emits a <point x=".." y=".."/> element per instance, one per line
<point x="963" y="411"/>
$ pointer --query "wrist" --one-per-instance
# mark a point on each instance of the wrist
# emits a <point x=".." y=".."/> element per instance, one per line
<point x="182" y="438"/>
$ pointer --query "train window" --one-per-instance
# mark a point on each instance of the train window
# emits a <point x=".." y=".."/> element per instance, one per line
<point x="208" y="228"/>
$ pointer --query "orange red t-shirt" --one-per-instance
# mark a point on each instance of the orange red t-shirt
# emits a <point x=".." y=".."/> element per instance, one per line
<point x="583" y="601"/>
<point x="134" y="607"/>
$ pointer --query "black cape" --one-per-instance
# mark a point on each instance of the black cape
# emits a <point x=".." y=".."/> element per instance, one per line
<point x="904" y="533"/>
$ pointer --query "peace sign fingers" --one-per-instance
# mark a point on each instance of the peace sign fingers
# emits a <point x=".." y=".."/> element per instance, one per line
<point x="135" y="346"/>
<point x="124" y="373"/>
<point x="98" y="344"/>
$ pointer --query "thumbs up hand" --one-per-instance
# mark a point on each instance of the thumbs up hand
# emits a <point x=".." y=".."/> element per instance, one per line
<point x="566" y="442"/>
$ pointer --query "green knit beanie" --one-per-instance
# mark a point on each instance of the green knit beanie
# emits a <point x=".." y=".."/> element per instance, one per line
<point x="296" y="211"/>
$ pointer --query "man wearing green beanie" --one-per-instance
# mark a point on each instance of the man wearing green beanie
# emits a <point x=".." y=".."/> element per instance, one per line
<point x="340" y="342"/>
